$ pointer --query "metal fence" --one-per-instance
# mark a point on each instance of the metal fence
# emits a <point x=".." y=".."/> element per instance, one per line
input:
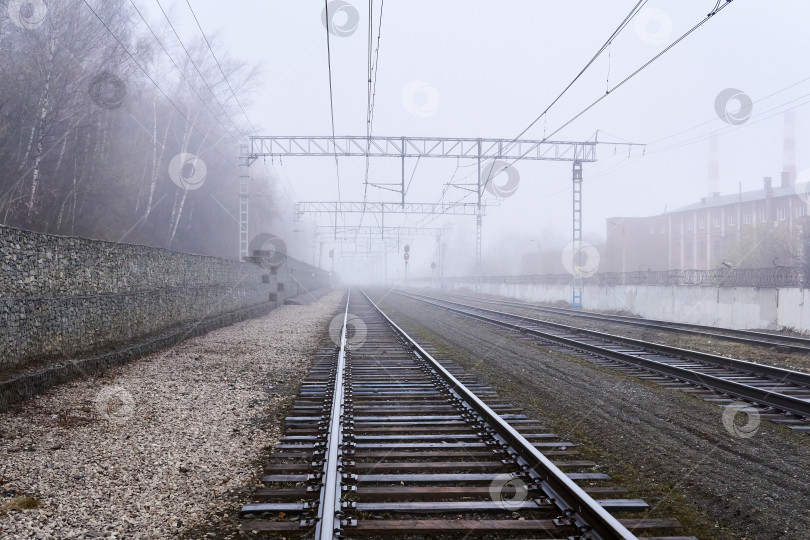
<point x="725" y="277"/>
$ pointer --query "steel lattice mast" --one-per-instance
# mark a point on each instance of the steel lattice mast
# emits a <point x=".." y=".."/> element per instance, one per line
<point x="510" y="150"/>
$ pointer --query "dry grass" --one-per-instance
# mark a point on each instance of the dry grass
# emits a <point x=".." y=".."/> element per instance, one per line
<point x="21" y="503"/>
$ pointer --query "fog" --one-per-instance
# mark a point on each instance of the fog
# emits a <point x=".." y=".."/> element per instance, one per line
<point x="443" y="69"/>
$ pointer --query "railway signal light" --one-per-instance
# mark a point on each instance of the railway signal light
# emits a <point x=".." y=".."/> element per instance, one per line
<point x="407" y="248"/>
<point x="407" y="256"/>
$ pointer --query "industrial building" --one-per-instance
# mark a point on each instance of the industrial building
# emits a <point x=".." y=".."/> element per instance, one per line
<point x="751" y="229"/>
<point x="766" y="227"/>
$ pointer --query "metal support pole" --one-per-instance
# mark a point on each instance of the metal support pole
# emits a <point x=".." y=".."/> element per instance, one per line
<point x="403" y="172"/>
<point x="244" y="191"/>
<point x="576" y="296"/>
<point x="441" y="266"/>
<point x="479" y="218"/>
<point x="478" y="226"/>
<point x="438" y="258"/>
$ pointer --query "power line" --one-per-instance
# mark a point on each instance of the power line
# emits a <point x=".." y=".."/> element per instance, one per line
<point x="285" y="180"/>
<point x="640" y="4"/>
<point x="220" y="67"/>
<point x="699" y="138"/>
<point x="132" y="57"/>
<point x="604" y="46"/>
<point x="727" y="129"/>
<point x="718" y="132"/>
<point x="714" y="118"/>
<point x="197" y="69"/>
<point x="626" y="79"/>
<point x="177" y="67"/>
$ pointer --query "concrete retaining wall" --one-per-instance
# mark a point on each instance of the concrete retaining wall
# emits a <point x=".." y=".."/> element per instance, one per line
<point x="64" y="297"/>
<point x="731" y="307"/>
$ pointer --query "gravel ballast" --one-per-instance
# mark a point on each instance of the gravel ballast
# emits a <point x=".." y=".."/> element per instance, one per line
<point x="771" y="356"/>
<point x="668" y="447"/>
<point x="157" y="448"/>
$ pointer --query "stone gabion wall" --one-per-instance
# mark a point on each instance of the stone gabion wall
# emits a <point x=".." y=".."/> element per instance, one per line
<point x="61" y="297"/>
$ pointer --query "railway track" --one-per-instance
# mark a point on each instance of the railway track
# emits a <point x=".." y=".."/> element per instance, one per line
<point x="781" y="342"/>
<point x="780" y="395"/>
<point x="384" y="440"/>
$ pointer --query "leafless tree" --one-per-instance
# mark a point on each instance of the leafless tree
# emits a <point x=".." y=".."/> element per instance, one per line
<point x="94" y="106"/>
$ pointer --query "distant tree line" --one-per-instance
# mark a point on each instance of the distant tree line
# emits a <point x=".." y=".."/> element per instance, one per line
<point x="90" y="146"/>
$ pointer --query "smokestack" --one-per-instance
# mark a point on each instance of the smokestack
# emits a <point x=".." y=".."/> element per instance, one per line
<point x="714" y="167"/>
<point x="767" y="182"/>
<point x="789" y="153"/>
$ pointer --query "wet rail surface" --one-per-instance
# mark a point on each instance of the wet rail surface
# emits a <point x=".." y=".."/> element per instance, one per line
<point x="780" y="395"/>
<point x="780" y="342"/>
<point x="384" y="441"/>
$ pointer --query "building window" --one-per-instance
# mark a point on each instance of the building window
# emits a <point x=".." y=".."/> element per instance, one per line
<point x="801" y="210"/>
<point x="747" y="218"/>
<point x="732" y="220"/>
<point x="782" y="213"/>
<point x="701" y="222"/>
<point x="763" y="216"/>
<point x="690" y="225"/>
<point x="652" y="228"/>
<point x="716" y="221"/>
<point x="663" y="228"/>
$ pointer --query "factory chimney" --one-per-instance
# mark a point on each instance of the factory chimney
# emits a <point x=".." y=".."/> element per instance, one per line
<point x="789" y="153"/>
<point x="714" y="168"/>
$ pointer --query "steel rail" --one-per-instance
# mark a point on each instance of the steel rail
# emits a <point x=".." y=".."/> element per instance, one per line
<point x="586" y="513"/>
<point x="329" y="505"/>
<point x="767" y="397"/>
<point x="783" y="375"/>
<point x="749" y="337"/>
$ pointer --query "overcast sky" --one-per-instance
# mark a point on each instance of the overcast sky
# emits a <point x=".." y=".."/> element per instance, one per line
<point x="488" y="68"/>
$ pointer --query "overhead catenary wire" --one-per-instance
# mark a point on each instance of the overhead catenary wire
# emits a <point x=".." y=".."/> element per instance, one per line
<point x="368" y="78"/>
<point x="640" y="4"/>
<point x="331" y="96"/>
<point x="376" y="63"/>
<point x="372" y="91"/>
<point x="370" y="38"/>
